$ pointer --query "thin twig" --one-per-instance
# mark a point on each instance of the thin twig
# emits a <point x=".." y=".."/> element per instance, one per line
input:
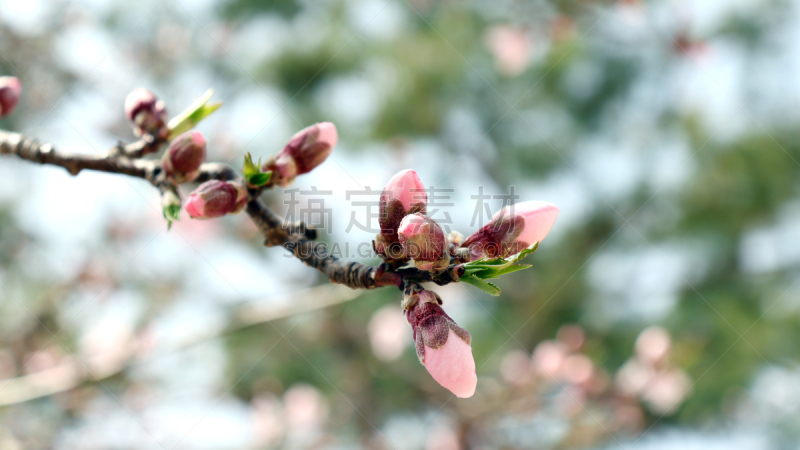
<point x="296" y="238"/>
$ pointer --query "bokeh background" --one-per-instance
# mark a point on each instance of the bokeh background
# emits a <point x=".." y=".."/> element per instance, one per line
<point x="662" y="311"/>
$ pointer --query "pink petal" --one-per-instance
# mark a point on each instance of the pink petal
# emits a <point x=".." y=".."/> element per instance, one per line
<point x="10" y="91"/>
<point x="194" y="206"/>
<point x="452" y="366"/>
<point x="198" y="139"/>
<point x="539" y="218"/>
<point x="422" y="238"/>
<point x="327" y="133"/>
<point x="408" y="188"/>
<point x="411" y="224"/>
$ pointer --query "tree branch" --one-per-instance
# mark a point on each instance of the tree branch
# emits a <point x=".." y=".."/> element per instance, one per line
<point x="33" y="150"/>
<point x="296" y="237"/>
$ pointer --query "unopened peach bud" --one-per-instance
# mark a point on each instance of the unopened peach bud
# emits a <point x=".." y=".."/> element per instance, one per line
<point x="424" y="241"/>
<point x="305" y="151"/>
<point x="183" y="158"/>
<point x="216" y="198"/>
<point x="145" y="112"/>
<point x="404" y="194"/>
<point x="512" y="229"/>
<point x="442" y="346"/>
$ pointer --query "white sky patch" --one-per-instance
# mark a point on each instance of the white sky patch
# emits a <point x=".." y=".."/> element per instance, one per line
<point x="775" y="246"/>
<point x="353" y="100"/>
<point x="642" y="284"/>
<point x="377" y="19"/>
<point x="26" y="17"/>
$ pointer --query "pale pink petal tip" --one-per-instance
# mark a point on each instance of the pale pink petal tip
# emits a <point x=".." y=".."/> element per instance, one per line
<point x="194" y="206"/>
<point x="14" y="84"/>
<point x="453" y="366"/>
<point x="408" y="188"/>
<point x="198" y="138"/>
<point x="328" y="134"/>
<point x="539" y="219"/>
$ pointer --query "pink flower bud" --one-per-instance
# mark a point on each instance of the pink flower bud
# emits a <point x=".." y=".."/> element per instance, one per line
<point x="424" y="241"/>
<point x="145" y="111"/>
<point x="184" y="156"/>
<point x="512" y="229"/>
<point x="216" y="198"/>
<point x="10" y="91"/>
<point x="442" y="346"/>
<point x="404" y="194"/>
<point x="406" y="188"/>
<point x="306" y="150"/>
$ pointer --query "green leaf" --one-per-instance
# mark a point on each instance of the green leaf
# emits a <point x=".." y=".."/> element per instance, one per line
<point x="519" y="256"/>
<point x="475" y="272"/>
<point x="250" y="168"/>
<point x="252" y="172"/>
<point x="511" y="269"/>
<point x="259" y="179"/>
<point x="172" y="213"/>
<point x="192" y="115"/>
<point x="485" y="286"/>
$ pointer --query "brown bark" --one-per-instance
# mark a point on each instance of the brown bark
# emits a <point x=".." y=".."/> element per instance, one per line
<point x="295" y="238"/>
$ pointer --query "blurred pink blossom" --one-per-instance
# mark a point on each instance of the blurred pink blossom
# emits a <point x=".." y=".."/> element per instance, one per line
<point x="516" y="367"/>
<point x="442" y="437"/>
<point x="633" y="377"/>
<point x="548" y="358"/>
<point x="577" y="369"/>
<point x="511" y="48"/>
<point x="653" y="344"/>
<point x="305" y="407"/>
<point x="571" y="335"/>
<point x="388" y="333"/>
<point x="666" y="391"/>
<point x="269" y="420"/>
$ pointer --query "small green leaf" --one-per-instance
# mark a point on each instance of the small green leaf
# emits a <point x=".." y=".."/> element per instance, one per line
<point x="485" y="269"/>
<point x="519" y="256"/>
<point x="252" y="172"/>
<point x="250" y="168"/>
<point x="192" y="115"/>
<point x="259" y="179"/>
<point x="172" y="213"/>
<point x="485" y="286"/>
<point x="510" y="269"/>
<point x="171" y="205"/>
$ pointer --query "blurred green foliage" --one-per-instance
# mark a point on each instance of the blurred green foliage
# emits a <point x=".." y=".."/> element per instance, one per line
<point x="723" y="327"/>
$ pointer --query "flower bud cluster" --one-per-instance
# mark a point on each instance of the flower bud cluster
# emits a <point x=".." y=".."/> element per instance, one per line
<point x="406" y="231"/>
